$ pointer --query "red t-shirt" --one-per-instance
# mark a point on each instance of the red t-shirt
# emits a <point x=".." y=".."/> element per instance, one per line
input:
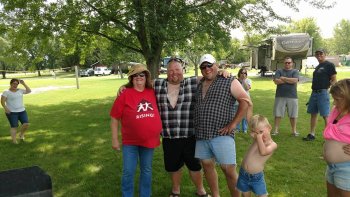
<point x="141" y="124"/>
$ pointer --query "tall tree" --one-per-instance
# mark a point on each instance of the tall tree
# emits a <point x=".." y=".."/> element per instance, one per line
<point x="341" y="41"/>
<point x="307" y="25"/>
<point x="147" y="26"/>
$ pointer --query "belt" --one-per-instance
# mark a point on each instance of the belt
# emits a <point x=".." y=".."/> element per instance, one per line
<point x="319" y="91"/>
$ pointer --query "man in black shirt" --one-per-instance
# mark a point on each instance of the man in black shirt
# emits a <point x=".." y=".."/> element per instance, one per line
<point x="324" y="76"/>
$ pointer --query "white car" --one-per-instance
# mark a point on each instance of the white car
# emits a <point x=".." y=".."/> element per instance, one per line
<point x="102" y="71"/>
<point x="311" y="62"/>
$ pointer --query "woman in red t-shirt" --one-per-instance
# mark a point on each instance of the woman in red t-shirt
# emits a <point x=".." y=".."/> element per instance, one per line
<point x="136" y="109"/>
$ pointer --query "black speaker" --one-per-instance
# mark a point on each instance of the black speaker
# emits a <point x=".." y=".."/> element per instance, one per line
<point x="23" y="182"/>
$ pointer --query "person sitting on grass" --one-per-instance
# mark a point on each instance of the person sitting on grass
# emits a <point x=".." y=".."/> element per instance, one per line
<point x="251" y="175"/>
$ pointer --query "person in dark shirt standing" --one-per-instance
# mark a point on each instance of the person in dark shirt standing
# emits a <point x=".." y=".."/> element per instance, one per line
<point x="324" y="76"/>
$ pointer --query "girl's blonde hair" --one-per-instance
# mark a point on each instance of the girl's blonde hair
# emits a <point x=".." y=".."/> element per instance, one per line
<point x="341" y="89"/>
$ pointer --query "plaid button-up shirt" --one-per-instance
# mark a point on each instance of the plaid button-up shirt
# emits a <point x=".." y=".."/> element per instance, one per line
<point x="215" y="110"/>
<point x="178" y="121"/>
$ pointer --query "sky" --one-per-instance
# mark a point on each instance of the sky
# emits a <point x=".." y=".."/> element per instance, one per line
<point x="326" y="19"/>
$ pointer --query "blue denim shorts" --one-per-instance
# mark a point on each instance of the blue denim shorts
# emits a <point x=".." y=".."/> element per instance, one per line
<point x="251" y="182"/>
<point x="319" y="103"/>
<point x="14" y="117"/>
<point x="339" y="175"/>
<point x="222" y="148"/>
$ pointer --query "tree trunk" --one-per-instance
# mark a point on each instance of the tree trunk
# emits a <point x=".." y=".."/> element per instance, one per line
<point x="39" y="74"/>
<point x="153" y="65"/>
<point x="4" y="70"/>
<point x="3" y="74"/>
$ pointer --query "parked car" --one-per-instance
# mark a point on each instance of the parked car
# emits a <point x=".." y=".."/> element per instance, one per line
<point x="243" y="65"/>
<point x="163" y="70"/>
<point x="311" y="62"/>
<point x="86" y="72"/>
<point x="102" y="71"/>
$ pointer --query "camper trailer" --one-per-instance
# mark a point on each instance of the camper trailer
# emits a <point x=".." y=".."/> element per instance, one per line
<point x="269" y="55"/>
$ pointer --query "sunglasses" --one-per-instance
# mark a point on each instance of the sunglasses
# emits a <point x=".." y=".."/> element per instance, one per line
<point x="175" y="59"/>
<point x="244" y="73"/>
<point x="287" y="62"/>
<point x="204" y="66"/>
<point x="139" y="75"/>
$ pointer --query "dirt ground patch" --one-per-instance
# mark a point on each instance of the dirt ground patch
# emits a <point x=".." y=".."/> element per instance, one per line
<point x="49" y="88"/>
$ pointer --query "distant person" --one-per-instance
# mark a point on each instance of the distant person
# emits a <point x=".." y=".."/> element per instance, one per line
<point x="215" y="121"/>
<point x="286" y="97"/>
<point x="12" y="102"/>
<point x="242" y="77"/>
<point x="324" y="76"/>
<point x="337" y="137"/>
<point x="136" y="110"/>
<point x="251" y="174"/>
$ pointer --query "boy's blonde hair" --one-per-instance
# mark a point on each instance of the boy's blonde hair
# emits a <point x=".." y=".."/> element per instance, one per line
<point x="258" y="121"/>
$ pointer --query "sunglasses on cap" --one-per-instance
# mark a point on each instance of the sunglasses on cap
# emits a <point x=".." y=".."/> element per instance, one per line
<point x="139" y="75"/>
<point x="205" y="65"/>
<point x="175" y="59"/>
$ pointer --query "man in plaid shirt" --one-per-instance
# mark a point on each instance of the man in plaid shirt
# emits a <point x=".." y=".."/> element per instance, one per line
<point x="215" y="120"/>
<point x="176" y="98"/>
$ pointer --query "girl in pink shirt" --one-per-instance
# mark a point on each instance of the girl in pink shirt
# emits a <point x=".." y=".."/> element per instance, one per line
<point x="337" y="135"/>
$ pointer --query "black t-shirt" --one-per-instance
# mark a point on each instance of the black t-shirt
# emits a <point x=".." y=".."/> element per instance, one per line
<point x="322" y="75"/>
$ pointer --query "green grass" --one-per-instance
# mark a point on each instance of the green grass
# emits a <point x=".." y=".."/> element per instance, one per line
<point x="70" y="139"/>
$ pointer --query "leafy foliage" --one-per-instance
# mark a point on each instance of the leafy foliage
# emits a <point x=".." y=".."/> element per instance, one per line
<point x="141" y="26"/>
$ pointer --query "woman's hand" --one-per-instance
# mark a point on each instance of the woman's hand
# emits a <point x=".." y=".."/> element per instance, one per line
<point x="346" y="149"/>
<point x="116" y="145"/>
<point x="7" y="111"/>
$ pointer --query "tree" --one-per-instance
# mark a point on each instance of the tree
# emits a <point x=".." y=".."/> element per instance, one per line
<point x="307" y="25"/>
<point x="341" y="42"/>
<point x="147" y="26"/>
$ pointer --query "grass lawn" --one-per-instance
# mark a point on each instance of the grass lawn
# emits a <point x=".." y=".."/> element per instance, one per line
<point x="70" y="139"/>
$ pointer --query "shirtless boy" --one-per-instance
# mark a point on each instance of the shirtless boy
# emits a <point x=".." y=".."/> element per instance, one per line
<point x="251" y="175"/>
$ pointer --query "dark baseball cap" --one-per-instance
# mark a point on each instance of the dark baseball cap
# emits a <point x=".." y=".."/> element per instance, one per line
<point x="320" y="50"/>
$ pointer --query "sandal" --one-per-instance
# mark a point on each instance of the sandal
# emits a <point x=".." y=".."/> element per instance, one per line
<point x="172" y="194"/>
<point x="203" y="195"/>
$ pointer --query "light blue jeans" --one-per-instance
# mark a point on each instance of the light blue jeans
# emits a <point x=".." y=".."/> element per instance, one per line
<point x="131" y="155"/>
<point x="244" y="123"/>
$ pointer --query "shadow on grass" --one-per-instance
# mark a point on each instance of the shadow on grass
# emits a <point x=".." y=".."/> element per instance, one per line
<point x="72" y="143"/>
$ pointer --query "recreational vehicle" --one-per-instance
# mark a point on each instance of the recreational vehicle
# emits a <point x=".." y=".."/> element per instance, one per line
<point x="269" y="55"/>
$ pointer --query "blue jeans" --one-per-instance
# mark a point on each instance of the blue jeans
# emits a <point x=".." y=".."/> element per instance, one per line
<point x="319" y="102"/>
<point x="131" y="155"/>
<point x="251" y="182"/>
<point x="222" y="148"/>
<point x="14" y="117"/>
<point x="338" y="174"/>
<point x="244" y="124"/>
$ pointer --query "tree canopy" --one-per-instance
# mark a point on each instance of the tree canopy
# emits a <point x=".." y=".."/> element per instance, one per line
<point x="142" y="26"/>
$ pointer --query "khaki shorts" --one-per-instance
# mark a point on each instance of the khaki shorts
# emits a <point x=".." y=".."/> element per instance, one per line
<point x="282" y="104"/>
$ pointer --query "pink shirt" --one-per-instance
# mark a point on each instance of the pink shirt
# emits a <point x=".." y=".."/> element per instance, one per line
<point x="339" y="131"/>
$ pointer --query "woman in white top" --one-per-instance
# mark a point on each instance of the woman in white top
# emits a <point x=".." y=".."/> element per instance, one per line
<point x="12" y="102"/>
